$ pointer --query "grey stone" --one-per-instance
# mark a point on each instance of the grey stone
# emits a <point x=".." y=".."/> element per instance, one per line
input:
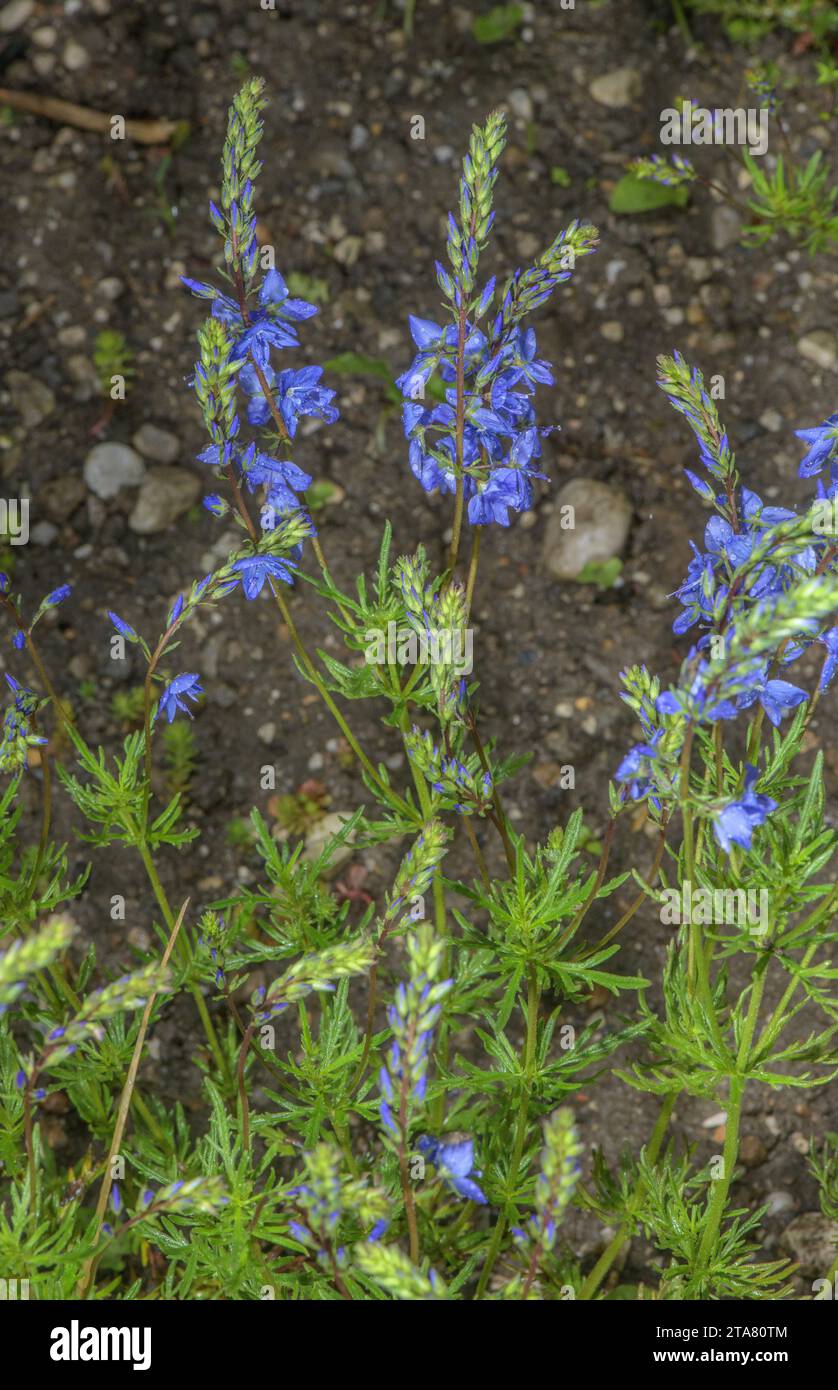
<point x="820" y="347"/>
<point x="520" y="103"/>
<point x="43" y="533"/>
<point x="62" y="496"/>
<point x="73" y="336"/>
<point x="778" y="1202"/>
<point x="601" y="519"/>
<point x="31" y="398"/>
<point x="110" y="467"/>
<point x="13" y="15"/>
<point x="321" y="833"/>
<point x="111" y="287"/>
<point x="725" y="227"/>
<point x="616" y="88"/>
<point x="810" y="1240"/>
<point x="84" y="376"/>
<point x="156" y="444"/>
<point x="165" y="495"/>
<point x="74" y="56"/>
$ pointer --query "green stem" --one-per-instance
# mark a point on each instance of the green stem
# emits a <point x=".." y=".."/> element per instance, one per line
<point x="613" y="1249"/>
<point x="397" y="802"/>
<point x="459" y="433"/>
<point x="721" y="1187"/>
<point x="521" y="1124"/>
<point x="185" y="955"/>
<point x="473" y="563"/>
<point x="440" y="921"/>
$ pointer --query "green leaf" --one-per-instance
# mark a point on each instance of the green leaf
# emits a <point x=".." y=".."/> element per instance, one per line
<point x="632" y="195"/>
<point x="357" y="364"/>
<point x="499" y="24"/>
<point x="603" y="573"/>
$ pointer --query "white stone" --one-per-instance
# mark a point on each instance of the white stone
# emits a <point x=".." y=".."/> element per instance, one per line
<point x="602" y="517"/>
<point x="156" y="444"/>
<point x="15" y="14"/>
<point x="820" y="347"/>
<point x="165" y="495"/>
<point x="110" y="467"/>
<point x="616" y="88"/>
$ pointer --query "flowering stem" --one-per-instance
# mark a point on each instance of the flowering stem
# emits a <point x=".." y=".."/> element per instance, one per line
<point x="721" y="1186"/>
<point x="397" y="802"/>
<point x="477" y="852"/>
<point x="696" y="947"/>
<point x="140" y="843"/>
<point x="521" y="1124"/>
<point x="597" y="884"/>
<point x="726" y="195"/>
<point x="440" y="921"/>
<point x="281" y="429"/>
<point x="499" y="817"/>
<point x="472" y="567"/>
<point x="147" y="684"/>
<point x="639" y="900"/>
<point x="611" y="1252"/>
<point x="46" y="816"/>
<point x="183" y="949"/>
<point x="242" y="1086"/>
<point x="459" y="432"/>
<point x="407" y="1190"/>
<point x="124" y="1106"/>
<point x="47" y="784"/>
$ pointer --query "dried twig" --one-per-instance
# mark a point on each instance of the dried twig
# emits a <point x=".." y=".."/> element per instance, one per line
<point x="68" y="113"/>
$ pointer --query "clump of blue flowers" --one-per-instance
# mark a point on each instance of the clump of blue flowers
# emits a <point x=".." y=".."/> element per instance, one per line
<point x="479" y="439"/>
<point x="754" y="592"/>
<point x="237" y="346"/>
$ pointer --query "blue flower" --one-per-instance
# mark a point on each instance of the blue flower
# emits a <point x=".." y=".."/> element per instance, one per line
<point x="637" y="770"/>
<point x="822" y="442"/>
<point x="268" y="326"/>
<point x="58" y="595"/>
<point x="125" y="629"/>
<point x="184" y="687"/>
<point x="255" y="569"/>
<point x="830" y="640"/>
<point x="500" y="437"/>
<point x="296" y="393"/>
<point x="776" y="697"/>
<point x="738" y="820"/>
<point x="455" y="1161"/>
<point x="282" y="480"/>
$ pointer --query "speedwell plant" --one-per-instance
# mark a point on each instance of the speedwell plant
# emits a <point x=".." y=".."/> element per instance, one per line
<point x="388" y="1104"/>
